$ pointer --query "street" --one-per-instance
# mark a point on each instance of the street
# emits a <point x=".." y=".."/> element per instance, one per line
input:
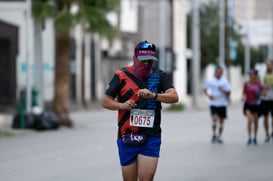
<point x="89" y="151"/>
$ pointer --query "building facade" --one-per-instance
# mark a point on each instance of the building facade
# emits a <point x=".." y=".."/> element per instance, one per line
<point x="93" y="59"/>
<point x="18" y="32"/>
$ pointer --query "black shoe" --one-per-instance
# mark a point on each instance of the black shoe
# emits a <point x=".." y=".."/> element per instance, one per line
<point x="214" y="139"/>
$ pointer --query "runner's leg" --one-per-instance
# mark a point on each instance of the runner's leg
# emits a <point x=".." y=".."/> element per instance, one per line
<point x="146" y="167"/>
<point x="266" y="128"/>
<point x="272" y="126"/>
<point x="129" y="172"/>
<point x="256" y="125"/>
<point x="221" y="126"/>
<point x="249" y="123"/>
<point x="214" y="124"/>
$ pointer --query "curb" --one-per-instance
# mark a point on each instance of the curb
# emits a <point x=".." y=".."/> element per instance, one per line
<point x="6" y="130"/>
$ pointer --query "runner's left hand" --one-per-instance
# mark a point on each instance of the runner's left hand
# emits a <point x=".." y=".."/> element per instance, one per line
<point x="146" y="94"/>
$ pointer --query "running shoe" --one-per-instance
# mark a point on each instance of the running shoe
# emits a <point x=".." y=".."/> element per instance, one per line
<point x="249" y="141"/>
<point x="254" y="141"/>
<point x="214" y="139"/>
<point x="267" y="139"/>
<point x="219" y="140"/>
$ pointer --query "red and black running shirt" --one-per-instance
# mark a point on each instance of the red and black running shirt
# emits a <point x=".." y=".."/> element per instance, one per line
<point x="124" y="86"/>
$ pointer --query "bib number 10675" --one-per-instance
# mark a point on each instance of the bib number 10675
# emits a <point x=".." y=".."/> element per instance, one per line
<point x="142" y="118"/>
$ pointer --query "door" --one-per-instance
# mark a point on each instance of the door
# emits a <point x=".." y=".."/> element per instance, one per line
<point x="5" y="72"/>
<point x="8" y="54"/>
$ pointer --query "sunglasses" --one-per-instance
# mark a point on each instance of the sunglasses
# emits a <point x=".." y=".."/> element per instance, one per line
<point x="146" y="45"/>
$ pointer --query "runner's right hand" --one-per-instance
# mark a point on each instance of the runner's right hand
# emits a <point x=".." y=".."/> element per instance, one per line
<point x="128" y="105"/>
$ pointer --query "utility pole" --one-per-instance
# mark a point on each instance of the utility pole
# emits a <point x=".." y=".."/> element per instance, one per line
<point x="222" y="33"/>
<point x="39" y="64"/>
<point x="270" y="45"/>
<point x="247" y="48"/>
<point x="179" y="46"/>
<point x="162" y="62"/>
<point x="227" y="39"/>
<point x="195" y="40"/>
<point x="29" y="57"/>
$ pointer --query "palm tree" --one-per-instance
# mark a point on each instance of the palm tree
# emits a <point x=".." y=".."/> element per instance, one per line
<point x="91" y="14"/>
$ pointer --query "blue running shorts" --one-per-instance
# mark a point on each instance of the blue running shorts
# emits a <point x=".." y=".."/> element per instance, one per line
<point x="128" y="154"/>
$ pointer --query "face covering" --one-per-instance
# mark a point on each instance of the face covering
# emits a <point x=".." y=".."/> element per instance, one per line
<point x="140" y="69"/>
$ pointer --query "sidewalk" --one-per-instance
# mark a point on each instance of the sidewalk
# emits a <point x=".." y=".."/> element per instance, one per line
<point x="6" y="127"/>
<point x="6" y="119"/>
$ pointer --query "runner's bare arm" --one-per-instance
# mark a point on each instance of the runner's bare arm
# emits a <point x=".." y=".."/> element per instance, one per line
<point x="206" y="92"/>
<point x="169" y="96"/>
<point x="110" y="103"/>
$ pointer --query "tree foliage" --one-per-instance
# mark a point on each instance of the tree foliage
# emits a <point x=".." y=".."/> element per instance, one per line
<point x="91" y="13"/>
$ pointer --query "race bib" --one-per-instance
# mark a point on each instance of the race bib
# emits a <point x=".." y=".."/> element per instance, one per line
<point x="142" y="118"/>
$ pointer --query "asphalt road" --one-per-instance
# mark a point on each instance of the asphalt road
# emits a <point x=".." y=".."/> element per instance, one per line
<point x="89" y="151"/>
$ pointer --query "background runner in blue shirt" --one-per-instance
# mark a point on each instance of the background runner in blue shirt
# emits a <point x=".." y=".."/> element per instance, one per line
<point x="217" y="89"/>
